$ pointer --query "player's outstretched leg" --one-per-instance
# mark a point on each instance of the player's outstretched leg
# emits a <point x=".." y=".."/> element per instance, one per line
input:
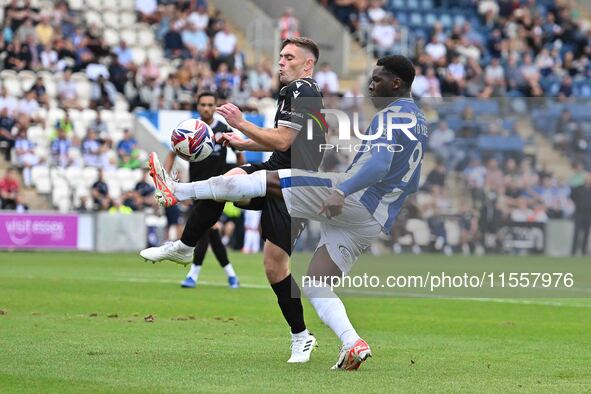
<point x="204" y="214"/>
<point x="329" y="307"/>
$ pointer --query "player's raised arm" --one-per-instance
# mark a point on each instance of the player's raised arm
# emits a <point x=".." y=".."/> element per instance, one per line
<point x="279" y="138"/>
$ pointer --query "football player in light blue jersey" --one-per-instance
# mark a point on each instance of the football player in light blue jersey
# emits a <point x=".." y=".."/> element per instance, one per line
<point x="353" y="207"/>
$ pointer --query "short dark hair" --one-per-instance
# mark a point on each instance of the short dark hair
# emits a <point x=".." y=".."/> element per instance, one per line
<point x="400" y="66"/>
<point x="206" y="93"/>
<point x="303" y="42"/>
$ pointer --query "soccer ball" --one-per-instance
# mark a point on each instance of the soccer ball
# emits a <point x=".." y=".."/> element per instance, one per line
<point x="192" y="140"/>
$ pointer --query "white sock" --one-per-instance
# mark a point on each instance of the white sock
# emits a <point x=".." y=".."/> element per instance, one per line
<point x="181" y="247"/>
<point x="194" y="272"/>
<point x="331" y="311"/>
<point x="224" y="188"/>
<point x="229" y="270"/>
<point x="302" y="334"/>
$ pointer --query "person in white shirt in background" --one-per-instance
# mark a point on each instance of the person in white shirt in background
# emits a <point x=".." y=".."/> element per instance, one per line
<point x="327" y="79"/>
<point x="25" y="155"/>
<point x="383" y="35"/>
<point x="252" y="235"/>
<point x="420" y="87"/>
<point x="436" y="50"/>
<point x="225" y="41"/>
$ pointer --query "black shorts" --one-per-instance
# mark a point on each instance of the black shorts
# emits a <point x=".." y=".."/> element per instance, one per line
<point x="276" y="224"/>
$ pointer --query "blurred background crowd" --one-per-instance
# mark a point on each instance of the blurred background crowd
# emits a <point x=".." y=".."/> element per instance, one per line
<point x="73" y="73"/>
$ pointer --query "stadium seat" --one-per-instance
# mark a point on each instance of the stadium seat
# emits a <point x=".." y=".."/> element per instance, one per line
<point x="27" y="78"/>
<point x="416" y="19"/>
<point x="111" y="19"/>
<point x="111" y="37"/>
<point x="93" y="18"/>
<point x="156" y="54"/>
<point x="90" y="175"/>
<point x="127" y="19"/>
<point x="76" y="5"/>
<point x="145" y="38"/>
<point x="129" y="36"/>
<point x="94" y="4"/>
<point x="138" y="54"/>
<point x="53" y="115"/>
<point x="8" y="74"/>
<point x="12" y="85"/>
<point x="420" y="230"/>
<point x="121" y="103"/>
<point x="128" y="5"/>
<point x="36" y="133"/>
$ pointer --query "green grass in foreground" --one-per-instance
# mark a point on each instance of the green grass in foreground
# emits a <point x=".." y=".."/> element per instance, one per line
<point x="75" y="321"/>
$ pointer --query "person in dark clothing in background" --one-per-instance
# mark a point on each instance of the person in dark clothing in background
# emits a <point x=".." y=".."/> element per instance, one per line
<point x="581" y="196"/>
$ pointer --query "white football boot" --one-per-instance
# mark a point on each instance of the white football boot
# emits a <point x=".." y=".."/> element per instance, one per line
<point x="301" y="348"/>
<point x="169" y="251"/>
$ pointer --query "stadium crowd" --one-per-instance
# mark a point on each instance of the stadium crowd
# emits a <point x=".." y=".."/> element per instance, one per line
<point x="500" y="48"/>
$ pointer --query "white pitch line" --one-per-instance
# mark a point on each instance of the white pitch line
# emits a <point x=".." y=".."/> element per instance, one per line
<point x="352" y="292"/>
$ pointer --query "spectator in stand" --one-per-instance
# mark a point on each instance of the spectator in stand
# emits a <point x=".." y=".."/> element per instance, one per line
<point x="66" y="92"/>
<point x="581" y="196"/>
<point x="420" y="85"/>
<point x="441" y="143"/>
<point x="48" y="58"/>
<point x="436" y="51"/>
<point x="91" y="150"/>
<point x="29" y="107"/>
<point x="260" y="81"/>
<point x="118" y="74"/>
<point x="222" y="75"/>
<point x="44" y="32"/>
<point x="18" y="56"/>
<point x="7" y="140"/>
<point x="199" y="18"/>
<point x="566" y="89"/>
<point x="494" y="77"/>
<point x="98" y="126"/>
<point x="145" y="190"/>
<point x="434" y="87"/>
<point x="149" y="94"/>
<point x="127" y="145"/>
<point x="173" y="43"/>
<point x="119" y="207"/>
<point x="60" y="149"/>
<point x="40" y="92"/>
<point x="26" y="158"/>
<point x="195" y="40"/>
<point x="124" y="54"/>
<point x="100" y="193"/>
<point x="8" y="101"/>
<point x="147" y="11"/>
<point x="149" y="70"/>
<point x="64" y="124"/>
<point x="102" y="94"/>
<point x="225" y="42"/>
<point x="9" y="189"/>
<point x="383" y="35"/>
<point x="436" y="177"/>
<point x="475" y="176"/>
<point x="21" y="205"/>
<point x="494" y="180"/>
<point x="327" y="80"/>
<point x="289" y="25"/>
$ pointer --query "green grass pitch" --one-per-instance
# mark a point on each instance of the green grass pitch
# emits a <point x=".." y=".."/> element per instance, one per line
<point x="71" y="322"/>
